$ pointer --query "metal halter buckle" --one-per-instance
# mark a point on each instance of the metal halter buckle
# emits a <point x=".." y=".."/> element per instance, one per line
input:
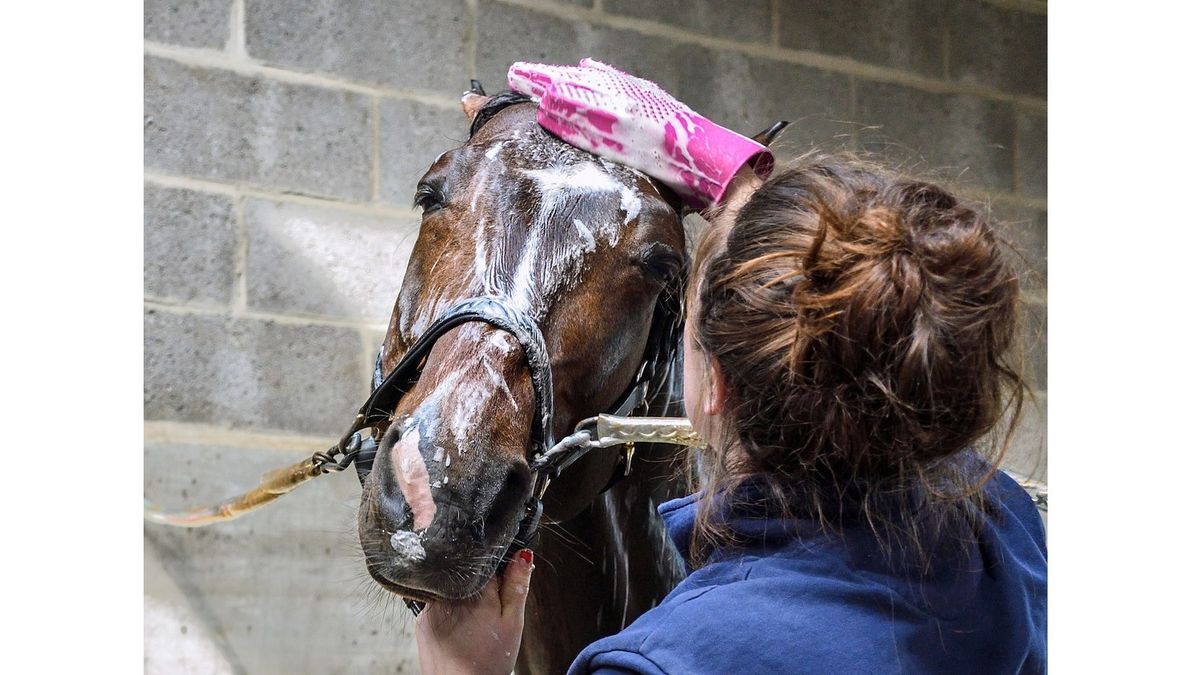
<point x="347" y="448"/>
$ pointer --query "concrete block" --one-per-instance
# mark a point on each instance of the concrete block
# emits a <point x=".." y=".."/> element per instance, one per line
<point x="1036" y="328"/>
<point x="748" y="94"/>
<point x="508" y="34"/>
<point x="249" y="373"/>
<point x="1024" y="230"/>
<point x="997" y="47"/>
<point x="411" y="137"/>
<point x="324" y="261"/>
<point x="661" y="60"/>
<point x="223" y="126"/>
<point x="189" y="241"/>
<point x="749" y="20"/>
<point x="952" y="137"/>
<point x="1031" y="154"/>
<point x="188" y="23"/>
<point x="281" y="590"/>
<point x="408" y="44"/>
<point x="896" y="33"/>
<point x="1027" y="451"/>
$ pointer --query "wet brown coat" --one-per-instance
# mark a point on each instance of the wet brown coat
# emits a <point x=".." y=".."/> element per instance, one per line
<point x="583" y="246"/>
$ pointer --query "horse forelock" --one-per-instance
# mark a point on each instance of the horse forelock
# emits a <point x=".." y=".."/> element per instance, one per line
<point x="493" y="106"/>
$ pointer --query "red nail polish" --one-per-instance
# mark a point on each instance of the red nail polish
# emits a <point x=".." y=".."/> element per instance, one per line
<point x="526" y="556"/>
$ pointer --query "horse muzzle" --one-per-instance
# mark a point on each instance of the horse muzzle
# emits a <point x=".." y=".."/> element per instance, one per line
<point x="423" y="528"/>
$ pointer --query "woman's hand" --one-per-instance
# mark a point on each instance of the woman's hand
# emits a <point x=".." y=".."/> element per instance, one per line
<point x="633" y="121"/>
<point x="479" y="636"/>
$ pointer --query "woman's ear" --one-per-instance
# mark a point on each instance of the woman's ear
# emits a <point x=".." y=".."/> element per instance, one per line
<point x="714" y="398"/>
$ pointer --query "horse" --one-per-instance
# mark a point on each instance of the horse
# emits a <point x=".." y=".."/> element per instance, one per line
<point x="595" y="255"/>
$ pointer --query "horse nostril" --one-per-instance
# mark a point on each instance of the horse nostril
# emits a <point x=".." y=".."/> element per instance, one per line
<point x="509" y="499"/>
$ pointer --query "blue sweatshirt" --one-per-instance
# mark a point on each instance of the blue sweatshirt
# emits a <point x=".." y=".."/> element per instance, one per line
<point x="798" y="600"/>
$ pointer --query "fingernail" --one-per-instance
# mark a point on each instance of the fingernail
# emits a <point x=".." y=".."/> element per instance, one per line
<point x="526" y="557"/>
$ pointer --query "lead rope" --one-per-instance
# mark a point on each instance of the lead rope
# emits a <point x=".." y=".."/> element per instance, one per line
<point x="273" y="484"/>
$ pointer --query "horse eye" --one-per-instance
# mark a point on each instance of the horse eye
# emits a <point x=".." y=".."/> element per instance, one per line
<point x="428" y="198"/>
<point x="661" y="262"/>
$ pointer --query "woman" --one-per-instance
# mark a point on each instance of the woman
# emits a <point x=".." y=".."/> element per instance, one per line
<point x="845" y="355"/>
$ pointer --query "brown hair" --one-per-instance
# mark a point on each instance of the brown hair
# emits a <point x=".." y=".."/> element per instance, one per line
<point x="863" y="325"/>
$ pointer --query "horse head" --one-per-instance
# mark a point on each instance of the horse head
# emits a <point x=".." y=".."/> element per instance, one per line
<point x="589" y="251"/>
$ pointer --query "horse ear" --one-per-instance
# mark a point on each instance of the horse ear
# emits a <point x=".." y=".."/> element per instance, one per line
<point x="473" y="100"/>
<point x="767" y="135"/>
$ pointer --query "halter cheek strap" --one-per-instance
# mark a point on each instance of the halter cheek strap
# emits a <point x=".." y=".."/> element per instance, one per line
<point x="389" y="390"/>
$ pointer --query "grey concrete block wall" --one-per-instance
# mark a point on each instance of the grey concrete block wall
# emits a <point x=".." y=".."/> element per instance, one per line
<point x="866" y="30"/>
<point x="992" y="45"/>
<point x="1031" y="154"/>
<point x="748" y="20"/>
<point x="1024" y="231"/>
<point x="966" y="139"/>
<point x="283" y="141"/>
<point x="190" y="23"/>
<point x="508" y="33"/>
<point x="401" y="44"/>
<point x="309" y="260"/>
<point x="748" y="94"/>
<point x="411" y="135"/>
<point x="283" y="591"/>
<point x="226" y="126"/>
<point x="190" y="241"/>
<point x="251" y="373"/>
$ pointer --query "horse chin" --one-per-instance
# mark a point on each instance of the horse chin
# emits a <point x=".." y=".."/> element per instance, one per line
<point x="441" y="588"/>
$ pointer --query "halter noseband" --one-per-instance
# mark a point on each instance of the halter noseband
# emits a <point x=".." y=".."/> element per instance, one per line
<point x="490" y="310"/>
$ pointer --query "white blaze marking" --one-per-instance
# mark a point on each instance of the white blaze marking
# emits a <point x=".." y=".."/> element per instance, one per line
<point x="483" y="272"/>
<point x="584" y="176"/>
<point x="500" y="340"/>
<point x="468" y="409"/>
<point x="414" y="479"/>
<point x="534" y="281"/>
<point x="481" y="182"/>
<point x="631" y="204"/>
<point x="589" y="242"/>
<point x="498" y="382"/>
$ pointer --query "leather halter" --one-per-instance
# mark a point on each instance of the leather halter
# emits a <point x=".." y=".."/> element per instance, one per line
<point x="546" y="458"/>
<point x="389" y="390"/>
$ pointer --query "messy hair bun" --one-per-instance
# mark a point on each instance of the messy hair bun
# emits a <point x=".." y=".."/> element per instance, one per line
<point x="863" y="325"/>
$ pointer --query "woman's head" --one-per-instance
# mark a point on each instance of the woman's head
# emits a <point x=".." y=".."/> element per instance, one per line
<point x="853" y="329"/>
